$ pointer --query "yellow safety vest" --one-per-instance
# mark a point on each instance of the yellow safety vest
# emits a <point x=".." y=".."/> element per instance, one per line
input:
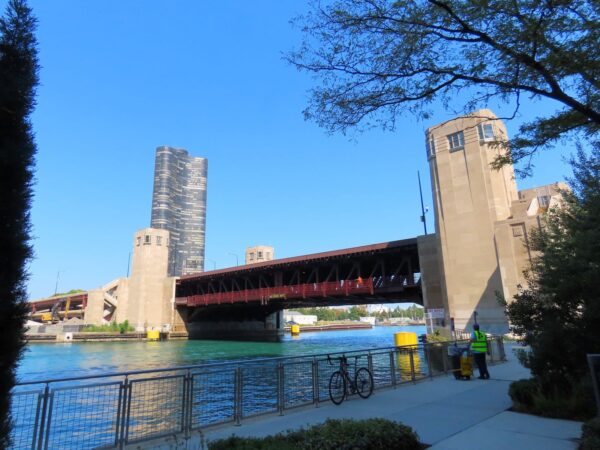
<point x="480" y="344"/>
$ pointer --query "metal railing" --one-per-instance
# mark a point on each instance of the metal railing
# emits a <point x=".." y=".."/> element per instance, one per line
<point x="116" y="409"/>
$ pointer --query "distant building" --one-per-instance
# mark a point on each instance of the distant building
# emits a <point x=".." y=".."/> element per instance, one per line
<point x="179" y="206"/>
<point x="259" y="253"/>
<point x="299" y="318"/>
<point x="370" y="320"/>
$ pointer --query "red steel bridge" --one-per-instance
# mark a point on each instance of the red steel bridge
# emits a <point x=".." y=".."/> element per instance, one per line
<point x="59" y="307"/>
<point x="380" y="273"/>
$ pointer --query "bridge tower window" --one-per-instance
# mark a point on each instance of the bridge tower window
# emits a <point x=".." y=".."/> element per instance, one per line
<point x="456" y="141"/>
<point x="430" y="146"/>
<point x="486" y="132"/>
<point x="260" y="255"/>
<point x="147" y="240"/>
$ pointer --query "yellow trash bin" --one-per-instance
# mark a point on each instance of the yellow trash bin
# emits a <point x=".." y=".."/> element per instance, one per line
<point x="404" y="339"/>
<point x="153" y="335"/>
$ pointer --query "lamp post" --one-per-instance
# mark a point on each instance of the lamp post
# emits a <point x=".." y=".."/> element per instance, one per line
<point x="57" y="277"/>
<point x="214" y="263"/>
<point x="423" y="218"/>
<point x="237" y="261"/>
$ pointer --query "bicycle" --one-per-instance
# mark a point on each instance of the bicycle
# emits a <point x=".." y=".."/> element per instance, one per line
<point x="341" y="384"/>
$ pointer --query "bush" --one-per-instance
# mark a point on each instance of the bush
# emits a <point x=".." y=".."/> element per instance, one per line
<point x="590" y="438"/>
<point x="372" y="434"/>
<point x="112" y="327"/>
<point x="523" y="393"/>
<point x="436" y="336"/>
<point x="575" y="404"/>
<point x="277" y="442"/>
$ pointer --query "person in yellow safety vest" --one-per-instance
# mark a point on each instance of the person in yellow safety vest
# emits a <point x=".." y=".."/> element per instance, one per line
<point x="479" y="347"/>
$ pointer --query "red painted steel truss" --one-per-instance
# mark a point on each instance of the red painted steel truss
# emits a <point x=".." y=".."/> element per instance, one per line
<point x="342" y="288"/>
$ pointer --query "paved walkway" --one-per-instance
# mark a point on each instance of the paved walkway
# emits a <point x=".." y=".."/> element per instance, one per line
<point x="446" y="413"/>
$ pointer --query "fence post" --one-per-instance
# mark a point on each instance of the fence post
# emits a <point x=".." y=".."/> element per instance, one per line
<point x="237" y="406"/>
<point x="426" y="350"/>
<point x="412" y="365"/>
<point x="445" y="357"/>
<point x="185" y="404"/>
<point x="315" y="380"/>
<point x="392" y="368"/>
<point x="42" y="423"/>
<point x="125" y="411"/>
<point x="280" y="389"/>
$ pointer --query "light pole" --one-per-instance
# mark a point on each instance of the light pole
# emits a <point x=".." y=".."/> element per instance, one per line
<point x="57" y="277"/>
<point x="423" y="219"/>
<point x="214" y="263"/>
<point x="237" y="261"/>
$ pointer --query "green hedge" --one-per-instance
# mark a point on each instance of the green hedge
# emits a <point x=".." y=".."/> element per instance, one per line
<point x="371" y="434"/>
<point x="590" y="439"/>
<point x="528" y="397"/>
<point x="523" y="393"/>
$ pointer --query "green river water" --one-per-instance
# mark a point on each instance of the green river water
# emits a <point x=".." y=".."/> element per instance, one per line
<point x="45" y="361"/>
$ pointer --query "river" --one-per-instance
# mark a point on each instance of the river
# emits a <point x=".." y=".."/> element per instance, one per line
<point x="45" y="361"/>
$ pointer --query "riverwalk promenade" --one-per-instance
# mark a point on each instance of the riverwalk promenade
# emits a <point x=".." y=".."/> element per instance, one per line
<point x="446" y="413"/>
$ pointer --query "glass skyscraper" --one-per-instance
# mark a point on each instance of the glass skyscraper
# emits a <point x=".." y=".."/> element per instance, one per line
<point x="179" y="205"/>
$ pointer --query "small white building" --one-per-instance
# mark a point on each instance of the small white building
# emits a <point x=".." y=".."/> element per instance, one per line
<point x="299" y="318"/>
<point x="369" y="320"/>
<point x="404" y="320"/>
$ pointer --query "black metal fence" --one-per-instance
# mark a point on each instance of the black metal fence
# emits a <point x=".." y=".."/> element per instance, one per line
<point x="112" y="410"/>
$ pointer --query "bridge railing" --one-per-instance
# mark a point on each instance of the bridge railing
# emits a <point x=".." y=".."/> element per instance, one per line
<point x="117" y="409"/>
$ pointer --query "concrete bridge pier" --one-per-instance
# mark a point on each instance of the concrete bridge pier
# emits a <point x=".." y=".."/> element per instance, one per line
<point x="243" y="323"/>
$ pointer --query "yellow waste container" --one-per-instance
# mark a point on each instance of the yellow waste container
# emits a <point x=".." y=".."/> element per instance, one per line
<point x="153" y="335"/>
<point x="407" y="341"/>
<point x="405" y="338"/>
<point x="295" y="330"/>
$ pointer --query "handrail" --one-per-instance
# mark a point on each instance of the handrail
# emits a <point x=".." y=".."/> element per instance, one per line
<point x="127" y="409"/>
<point x="237" y="362"/>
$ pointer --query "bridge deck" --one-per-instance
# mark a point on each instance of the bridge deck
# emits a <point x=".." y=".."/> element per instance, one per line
<point x="375" y="273"/>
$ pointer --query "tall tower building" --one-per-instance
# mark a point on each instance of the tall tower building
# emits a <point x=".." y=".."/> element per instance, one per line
<point x="179" y="205"/>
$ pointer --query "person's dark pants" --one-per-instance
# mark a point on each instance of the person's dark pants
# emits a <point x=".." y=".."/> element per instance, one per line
<point x="481" y="364"/>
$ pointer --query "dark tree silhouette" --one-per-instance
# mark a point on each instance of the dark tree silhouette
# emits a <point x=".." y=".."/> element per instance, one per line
<point x="18" y="81"/>
<point x="377" y="59"/>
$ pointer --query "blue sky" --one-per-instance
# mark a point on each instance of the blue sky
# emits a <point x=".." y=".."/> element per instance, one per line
<point x="120" y="78"/>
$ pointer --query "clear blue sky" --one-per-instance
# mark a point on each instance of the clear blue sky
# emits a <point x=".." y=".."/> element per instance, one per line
<point x="120" y="78"/>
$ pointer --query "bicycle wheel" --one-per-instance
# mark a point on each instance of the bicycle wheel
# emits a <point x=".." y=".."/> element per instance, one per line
<point x="364" y="382"/>
<point x="337" y="387"/>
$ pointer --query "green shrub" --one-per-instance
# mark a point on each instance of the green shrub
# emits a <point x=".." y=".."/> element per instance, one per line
<point x="277" y="442"/>
<point x="352" y="434"/>
<point x="112" y="327"/>
<point x="523" y="392"/>
<point x="346" y="434"/>
<point x="436" y="336"/>
<point x="590" y="438"/>
<point x="574" y="404"/>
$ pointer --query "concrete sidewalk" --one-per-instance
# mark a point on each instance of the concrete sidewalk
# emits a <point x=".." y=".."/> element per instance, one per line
<point x="446" y="413"/>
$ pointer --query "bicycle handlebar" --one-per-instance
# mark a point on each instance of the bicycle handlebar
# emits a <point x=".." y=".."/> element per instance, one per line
<point x="339" y="358"/>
